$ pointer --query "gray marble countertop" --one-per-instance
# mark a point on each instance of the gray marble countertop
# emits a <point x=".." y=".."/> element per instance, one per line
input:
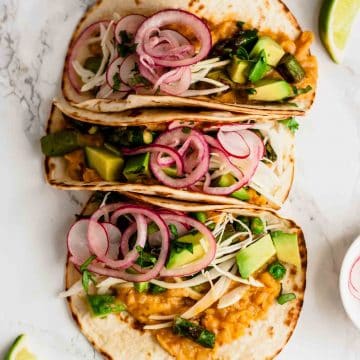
<point x="325" y="199"/>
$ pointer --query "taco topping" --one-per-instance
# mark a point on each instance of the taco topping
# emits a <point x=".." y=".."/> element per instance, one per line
<point x="244" y="161"/>
<point x="195" y="285"/>
<point x="174" y="52"/>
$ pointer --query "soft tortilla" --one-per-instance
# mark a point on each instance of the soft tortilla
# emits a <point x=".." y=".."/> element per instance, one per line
<point x="117" y="337"/>
<point x="56" y="174"/>
<point x="264" y="15"/>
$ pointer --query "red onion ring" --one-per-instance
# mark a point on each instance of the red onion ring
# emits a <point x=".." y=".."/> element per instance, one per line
<point x="230" y="168"/>
<point x="201" y="165"/>
<point x="158" y="149"/>
<point x="74" y="50"/>
<point x="152" y="273"/>
<point x="169" y="17"/>
<point x="130" y="24"/>
<point x="202" y="263"/>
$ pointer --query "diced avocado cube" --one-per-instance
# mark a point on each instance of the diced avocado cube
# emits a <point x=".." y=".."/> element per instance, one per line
<point x="271" y="90"/>
<point x="227" y="180"/>
<point x="287" y="247"/>
<point x="106" y="163"/>
<point x="274" y="52"/>
<point x="257" y="225"/>
<point x="137" y="167"/>
<point x="141" y="286"/>
<point x="256" y="255"/>
<point x="184" y="256"/>
<point x="238" y="70"/>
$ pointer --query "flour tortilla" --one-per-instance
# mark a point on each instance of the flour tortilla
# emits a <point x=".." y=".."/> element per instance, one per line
<point x="117" y="337"/>
<point x="265" y="15"/>
<point x="55" y="167"/>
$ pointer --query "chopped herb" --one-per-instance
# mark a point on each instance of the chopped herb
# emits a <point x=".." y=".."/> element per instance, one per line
<point x="87" y="276"/>
<point x="250" y="91"/>
<point x="117" y="82"/>
<point x="300" y="91"/>
<point x="156" y="289"/>
<point x="186" y="130"/>
<point x="242" y="53"/>
<point x="240" y="24"/>
<point x="269" y="152"/>
<point x="145" y="259"/>
<point x="173" y="230"/>
<point x="179" y="246"/>
<point x="125" y="37"/>
<point x="102" y="305"/>
<point x="194" y="332"/>
<point x="138" y="79"/>
<point x="126" y="47"/>
<point x="245" y="220"/>
<point x="277" y="270"/>
<point x="291" y="123"/>
<point x="284" y="298"/>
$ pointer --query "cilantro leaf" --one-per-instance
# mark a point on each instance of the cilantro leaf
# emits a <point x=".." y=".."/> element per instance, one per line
<point x="145" y="259"/>
<point x="242" y="53"/>
<point x="179" y="246"/>
<point x="291" y="124"/>
<point x="300" y="91"/>
<point x="87" y="276"/>
<point x="117" y="82"/>
<point x="173" y="230"/>
<point x="102" y="305"/>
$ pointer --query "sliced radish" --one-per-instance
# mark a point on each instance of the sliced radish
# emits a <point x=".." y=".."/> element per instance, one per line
<point x="77" y="240"/>
<point x="113" y="69"/>
<point x="128" y="68"/>
<point x="130" y="24"/>
<point x="234" y="143"/>
<point x="98" y="239"/>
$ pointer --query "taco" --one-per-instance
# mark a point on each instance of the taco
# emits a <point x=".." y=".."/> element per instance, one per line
<point x="198" y="157"/>
<point x="196" y="281"/>
<point x="247" y="56"/>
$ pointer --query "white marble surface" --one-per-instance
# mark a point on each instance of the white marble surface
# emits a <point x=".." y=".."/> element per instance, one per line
<point x="325" y="199"/>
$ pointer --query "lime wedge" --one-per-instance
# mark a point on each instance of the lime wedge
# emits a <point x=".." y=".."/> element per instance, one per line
<point x="335" y="22"/>
<point x="18" y="350"/>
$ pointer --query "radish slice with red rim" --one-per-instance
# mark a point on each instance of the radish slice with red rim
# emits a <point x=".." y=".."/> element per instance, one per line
<point x="114" y="235"/>
<point x="98" y="239"/>
<point x="354" y="279"/>
<point x="77" y="242"/>
<point x="128" y="68"/>
<point x="80" y="41"/>
<point x="113" y="71"/>
<point x="234" y="143"/>
<point x="130" y="24"/>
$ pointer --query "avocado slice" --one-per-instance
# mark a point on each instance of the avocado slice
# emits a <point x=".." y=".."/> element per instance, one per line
<point x="183" y="256"/>
<point x="137" y="167"/>
<point x="271" y="90"/>
<point x="227" y="180"/>
<point x="287" y="247"/>
<point x="238" y="70"/>
<point x="274" y="52"/>
<point x="256" y="255"/>
<point x="105" y="162"/>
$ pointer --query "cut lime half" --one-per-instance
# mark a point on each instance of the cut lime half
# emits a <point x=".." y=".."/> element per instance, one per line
<point x="18" y="350"/>
<point x="335" y="22"/>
